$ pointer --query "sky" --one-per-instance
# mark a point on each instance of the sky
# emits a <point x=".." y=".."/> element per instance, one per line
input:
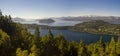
<point x="35" y="9"/>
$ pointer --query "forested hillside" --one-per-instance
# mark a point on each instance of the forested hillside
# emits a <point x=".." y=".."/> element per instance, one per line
<point x="15" y="40"/>
<point x="97" y="27"/>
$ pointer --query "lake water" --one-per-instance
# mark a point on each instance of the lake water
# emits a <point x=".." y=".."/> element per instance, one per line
<point x="77" y="36"/>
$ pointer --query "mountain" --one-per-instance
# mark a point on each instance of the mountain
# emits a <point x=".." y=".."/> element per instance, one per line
<point x="97" y="26"/>
<point x="110" y="19"/>
<point x="66" y="21"/>
<point x="93" y="24"/>
<point x="18" y="19"/>
<point x="49" y="20"/>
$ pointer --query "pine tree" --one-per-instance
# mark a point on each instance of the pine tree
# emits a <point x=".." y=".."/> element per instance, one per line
<point x="118" y="46"/>
<point x="48" y="39"/>
<point x="61" y="44"/>
<point x="101" y="47"/>
<point x="0" y="13"/>
<point x="50" y="33"/>
<point x="82" y="50"/>
<point x="5" y="43"/>
<point x="35" y="51"/>
<point x="10" y="19"/>
<point x="112" y="47"/>
<point x="101" y="42"/>
<point x="36" y="37"/>
<point x="20" y="52"/>
<point x="95" y="50"/>
<point x="72" y="48"/>
<point x="112" y="43"/>
<point x="37" y="33"/>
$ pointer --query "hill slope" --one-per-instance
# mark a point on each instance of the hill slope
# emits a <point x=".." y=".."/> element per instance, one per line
<point x="97" y="26"/>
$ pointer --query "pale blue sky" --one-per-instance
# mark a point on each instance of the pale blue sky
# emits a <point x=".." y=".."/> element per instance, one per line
<point x="57" y="8"/>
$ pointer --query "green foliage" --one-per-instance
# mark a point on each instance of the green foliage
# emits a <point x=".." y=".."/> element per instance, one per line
<point x="50" y="33"/>
<point x="82" y="51"/>
<point x="72" y="49"/>
<point x="35" y="51"/>
<point x="18" y="35"/>
<point x="37" y="33"/>
<point x="5" y="43"/>
<point x="4" y="38"/>
<point x="112" y="47"/>
<point x="101" y="47"/>
<point x="118" y="46"/>
<point x="20" y="52"/>
<point x="112" y="43"/>
<point x="36" y="37"/>
<point x="15" y="40"/>
<point x="61" y="44"/>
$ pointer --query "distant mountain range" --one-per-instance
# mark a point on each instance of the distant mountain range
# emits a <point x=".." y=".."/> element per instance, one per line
<point x="18" y="19"/>
<point x="110" y="19"/>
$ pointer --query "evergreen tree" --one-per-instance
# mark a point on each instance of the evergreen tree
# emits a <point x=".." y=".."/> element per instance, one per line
<point x="37" y="33"/>
<point x="101" y="47"/>
<point x="107" y="50"/>
<point x="0" y="13"/>
<point x="61" y="44"/>
<point x="112" y="43"/>
<point x="5" y="44"/>
<point x="112" y="47"/>
<point x="101" y="42"/>
<point x="50" y="33"/>
<point x="10" y="19"/>
<point x="72" y="48"/>
<point x="95" y="50"/>
<point x="34" y="51"/>
<point x="118" y="46"/>
<point x="7" y="26"/>
<point x="48" y="39"/>
<point x="19" y="52"/>
<point x="36" y="37"/>
<point x="82" y="50"/>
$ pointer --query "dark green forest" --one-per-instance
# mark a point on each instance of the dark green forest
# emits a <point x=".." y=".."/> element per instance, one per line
<point x="15" y="40"/>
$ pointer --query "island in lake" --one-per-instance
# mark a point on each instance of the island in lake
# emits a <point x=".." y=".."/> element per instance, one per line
<point x="47" y="21"/>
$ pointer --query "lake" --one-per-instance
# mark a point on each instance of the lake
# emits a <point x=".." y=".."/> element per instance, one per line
<point x="76" y="36"/>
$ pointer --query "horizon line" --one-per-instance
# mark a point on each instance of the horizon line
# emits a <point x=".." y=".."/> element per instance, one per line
<point x="69" y="16"/>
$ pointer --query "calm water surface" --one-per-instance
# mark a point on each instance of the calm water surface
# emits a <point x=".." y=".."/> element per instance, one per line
<point x="76" y="36"/>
